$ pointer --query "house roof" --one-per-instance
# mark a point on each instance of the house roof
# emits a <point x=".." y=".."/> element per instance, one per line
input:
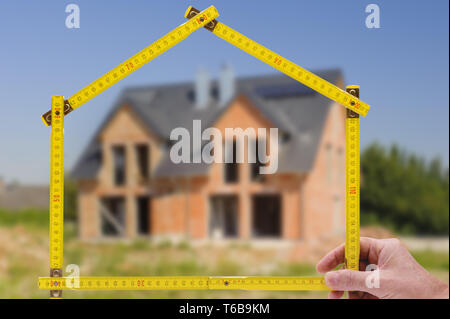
<point x="295" y="109"/>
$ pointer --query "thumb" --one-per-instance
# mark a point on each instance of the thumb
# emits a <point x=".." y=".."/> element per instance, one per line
<point x="347" y="280"/>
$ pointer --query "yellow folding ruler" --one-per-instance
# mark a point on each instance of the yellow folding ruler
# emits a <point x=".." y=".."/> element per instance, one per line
<point x="207" y="18"/>
<point x="184" y="283"/>
<point x="352" y="185"/>
<point x="56" y="204"/>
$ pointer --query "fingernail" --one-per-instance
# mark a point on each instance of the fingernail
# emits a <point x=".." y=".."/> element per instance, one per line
<point x="331" y="278"/>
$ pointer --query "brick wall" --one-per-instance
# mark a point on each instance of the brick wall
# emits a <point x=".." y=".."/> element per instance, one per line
<point x="324" y="188"/>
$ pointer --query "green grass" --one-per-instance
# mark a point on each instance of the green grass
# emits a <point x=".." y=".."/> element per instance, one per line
<point x="26" y="256"/>
<point x="28" y="218"/>
<point x="227" y="267"/>
<point x="184" y="245"/>
<point x="141" y="244"/>
<point x="432" y="260"/>
<point x="164" y="244"/>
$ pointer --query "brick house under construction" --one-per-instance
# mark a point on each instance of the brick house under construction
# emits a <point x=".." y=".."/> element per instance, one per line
<point x="129" y="187"/>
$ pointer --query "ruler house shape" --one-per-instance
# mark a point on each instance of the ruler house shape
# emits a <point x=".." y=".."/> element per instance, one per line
<point x="55" y="283"/>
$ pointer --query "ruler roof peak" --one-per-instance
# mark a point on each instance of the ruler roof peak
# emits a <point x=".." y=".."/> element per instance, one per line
<point x="207" y="19"/>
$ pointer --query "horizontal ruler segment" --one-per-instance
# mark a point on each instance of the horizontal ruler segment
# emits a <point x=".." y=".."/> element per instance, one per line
<point x="268" y="283"/>
<point x="284" y="65"/>
<point x="183" y="283"/>
<point x="135" y="62"/>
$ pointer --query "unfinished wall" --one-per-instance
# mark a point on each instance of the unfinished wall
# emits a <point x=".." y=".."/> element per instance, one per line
<point x="88" y="216"/>
<point x="324" y="189"/>
<point x="125" y="129"/>
<point x="244" y="115"/>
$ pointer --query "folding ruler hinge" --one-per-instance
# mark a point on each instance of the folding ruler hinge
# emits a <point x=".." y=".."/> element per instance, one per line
<point x="192" y="12"/>
<point x="47" y="117"/>
<point x="353" y="90"/>
<point x="56" y="273"/>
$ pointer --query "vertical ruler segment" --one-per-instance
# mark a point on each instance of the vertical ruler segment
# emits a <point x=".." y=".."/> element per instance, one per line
<point x="56" y="191"/>
<point x="352" y="156"/>
<point x="57" y="183"/>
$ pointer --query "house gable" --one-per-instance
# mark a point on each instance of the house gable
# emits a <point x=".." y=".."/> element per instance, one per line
<point x="125" y="126"/>
<point x="127" y="129"/>
<point x="239" y="114"/>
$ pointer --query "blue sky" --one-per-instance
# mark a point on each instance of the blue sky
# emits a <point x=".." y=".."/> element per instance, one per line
<point x="402" y="67"/>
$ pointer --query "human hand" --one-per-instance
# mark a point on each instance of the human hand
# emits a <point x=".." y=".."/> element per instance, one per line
<point x="400" y="275"/>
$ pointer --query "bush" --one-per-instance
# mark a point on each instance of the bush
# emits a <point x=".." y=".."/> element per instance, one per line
<point x="70" y="200"/>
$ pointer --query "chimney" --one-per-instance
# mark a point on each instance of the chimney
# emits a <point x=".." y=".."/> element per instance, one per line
<point x="226" y="84"/>
<point x="202" y="88"/>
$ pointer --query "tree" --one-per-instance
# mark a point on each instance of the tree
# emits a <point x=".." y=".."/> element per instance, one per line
<point x="403" y="192"/>
<point x="70" y="199"/>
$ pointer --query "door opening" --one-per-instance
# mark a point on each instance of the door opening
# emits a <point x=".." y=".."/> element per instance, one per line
<point x="112" y="212"/>
<point x="266" y="216"/>
<point x="143" y="215"/>
<point x="223" y="217"/>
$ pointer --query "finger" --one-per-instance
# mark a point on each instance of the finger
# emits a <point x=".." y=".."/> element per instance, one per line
<point x="331" y="260"/>
<point x="335" y="294"/>
<point x="356" y="295"/>
<point x="347" y="280"/>
<point x="367" y="247"/>
<point x="337" y="255"/>
<point x="369" y="296"/>
<point x="363" y="265"/>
